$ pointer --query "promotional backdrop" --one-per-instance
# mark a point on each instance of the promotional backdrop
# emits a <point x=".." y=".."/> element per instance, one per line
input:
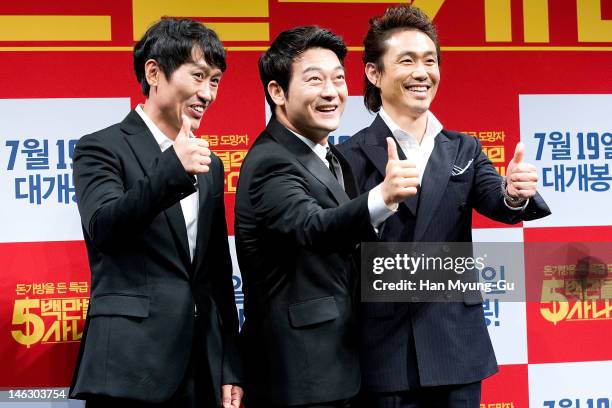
<point x="530" y="70"/>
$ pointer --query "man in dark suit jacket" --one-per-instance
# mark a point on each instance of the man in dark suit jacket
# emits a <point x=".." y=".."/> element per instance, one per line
<point x="427" y="354"/>
<point x="161" y="327"/>
<point x="297" y="229"/>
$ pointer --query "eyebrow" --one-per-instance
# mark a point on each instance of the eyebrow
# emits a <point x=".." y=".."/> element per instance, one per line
<point x="206" y="68"/>
<point x="318" y="69"/>
<point x="415" y="55"/>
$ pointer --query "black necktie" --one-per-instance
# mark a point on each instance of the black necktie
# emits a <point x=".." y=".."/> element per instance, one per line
<point x="334" y="166"/>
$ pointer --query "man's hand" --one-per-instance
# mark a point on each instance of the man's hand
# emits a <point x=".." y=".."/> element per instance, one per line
<point x="401" y="178"/>
<point x="231" y="396"/>
<point x="193" y="153"/>
<point x="521" y="178"/>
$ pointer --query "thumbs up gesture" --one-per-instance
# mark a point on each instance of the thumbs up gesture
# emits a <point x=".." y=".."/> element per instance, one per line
<point x="193" y="153"/>
<point x="401" y="177"/>
<point x="521" y="177"/>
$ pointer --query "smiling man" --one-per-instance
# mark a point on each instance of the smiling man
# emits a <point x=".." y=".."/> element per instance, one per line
<point x="298" y="223"/>
<point x="423" y="355"/>
<point x="161" y="327"/>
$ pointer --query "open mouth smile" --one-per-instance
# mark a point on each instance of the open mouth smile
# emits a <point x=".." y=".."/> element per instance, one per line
<point x="326" y="108"/>
<point x="197" y="110"/>
<point x="419" y="90"/>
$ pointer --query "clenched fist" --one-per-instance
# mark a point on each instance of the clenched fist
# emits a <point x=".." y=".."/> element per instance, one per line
<point x="401" y="177"/>
<point x="193" y="153"/>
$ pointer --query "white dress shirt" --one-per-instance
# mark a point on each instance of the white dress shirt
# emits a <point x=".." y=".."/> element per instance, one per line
<point x="376" y="205"/>
<point x="414" y="151"/>
<point x="189" y="204"/>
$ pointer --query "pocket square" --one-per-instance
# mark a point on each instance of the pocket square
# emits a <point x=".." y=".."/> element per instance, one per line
<point x="457" y="170"/>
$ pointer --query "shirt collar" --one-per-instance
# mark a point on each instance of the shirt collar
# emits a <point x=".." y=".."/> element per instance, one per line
<point x="317" y="148"/>
<point x="431" y="131"/>
<point x="162" y="140"/>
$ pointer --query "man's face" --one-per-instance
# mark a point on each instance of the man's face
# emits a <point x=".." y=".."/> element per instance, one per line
<point x="410" y="77"/>
<point x="190" y="90"/>
<point x="316" y="95"/>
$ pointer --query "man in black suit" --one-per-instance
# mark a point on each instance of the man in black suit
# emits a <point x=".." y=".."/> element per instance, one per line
<point x="161" y="327"/>
<point x="298" y="223"/>
<point x="427" y="354"/>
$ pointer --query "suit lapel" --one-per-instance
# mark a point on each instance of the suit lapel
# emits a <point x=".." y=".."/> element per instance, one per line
<point x="435" y="179"/>
<point x="375" y="148"/>
<point x="204" y="212"/>
<point x="147" y="150"/>
<point x="308" y="159"/>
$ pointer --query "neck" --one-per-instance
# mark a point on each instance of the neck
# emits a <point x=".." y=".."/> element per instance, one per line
<point x="414" y="125"/>
<point x="161" y="121"/>
<point x="320" y="138"/>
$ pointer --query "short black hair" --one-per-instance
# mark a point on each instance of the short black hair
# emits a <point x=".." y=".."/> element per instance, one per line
<point x="395" y="19"/>
<point x="171" y="42"/>
<point x="275" y="64"/>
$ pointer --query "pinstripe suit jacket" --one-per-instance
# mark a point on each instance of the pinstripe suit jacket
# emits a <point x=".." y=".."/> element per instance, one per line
<point x="406" y="346"/>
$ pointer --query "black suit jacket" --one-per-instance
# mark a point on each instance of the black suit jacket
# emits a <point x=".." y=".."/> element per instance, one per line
<point x="405" y="346"/>
<point x="296" y="232"/>
<point x="144" y="288"/>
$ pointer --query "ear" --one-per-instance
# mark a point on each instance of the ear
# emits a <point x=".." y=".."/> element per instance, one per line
<point x="152" y="72"/>
<point x="276" y="93"/>
<point x="372" y="73"/>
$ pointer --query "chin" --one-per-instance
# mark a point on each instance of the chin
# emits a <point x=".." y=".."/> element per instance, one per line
<point x="319" y="133"/>
<point x="330" y="125"/>
<point x="195" y="124"/>
<point x="417" y="109"/>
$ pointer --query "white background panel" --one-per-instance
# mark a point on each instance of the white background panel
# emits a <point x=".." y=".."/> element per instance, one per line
<point x="504" y="256"/>
<point x="497" y="234"/>
<point x="509" y="337"/>
<point x="567" y="113"/>
<point x="52" y="120"/>
<point x="569" y="381"/>
<point x="355" y="117"/>
<point x="237" y="279"/>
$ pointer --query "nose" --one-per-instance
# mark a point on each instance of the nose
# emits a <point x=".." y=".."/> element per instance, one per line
<point x="204" y="91"/>
<point x="329" y="90"/>
<point x="419" y="73"/>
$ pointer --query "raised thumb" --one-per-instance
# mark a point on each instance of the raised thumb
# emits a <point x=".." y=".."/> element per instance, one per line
<point x="185" y="127"/>
<point x="519" y="150"/>
<point x="391" y="149"/>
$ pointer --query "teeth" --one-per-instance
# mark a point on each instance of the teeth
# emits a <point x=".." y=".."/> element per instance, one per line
<point x="418" y="88"/>
<point x="327" y="109"/>
<point x="198" y="108"/>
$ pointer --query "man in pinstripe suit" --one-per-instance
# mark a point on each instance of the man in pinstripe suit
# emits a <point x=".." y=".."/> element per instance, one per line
<point x="427" y="354"/>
